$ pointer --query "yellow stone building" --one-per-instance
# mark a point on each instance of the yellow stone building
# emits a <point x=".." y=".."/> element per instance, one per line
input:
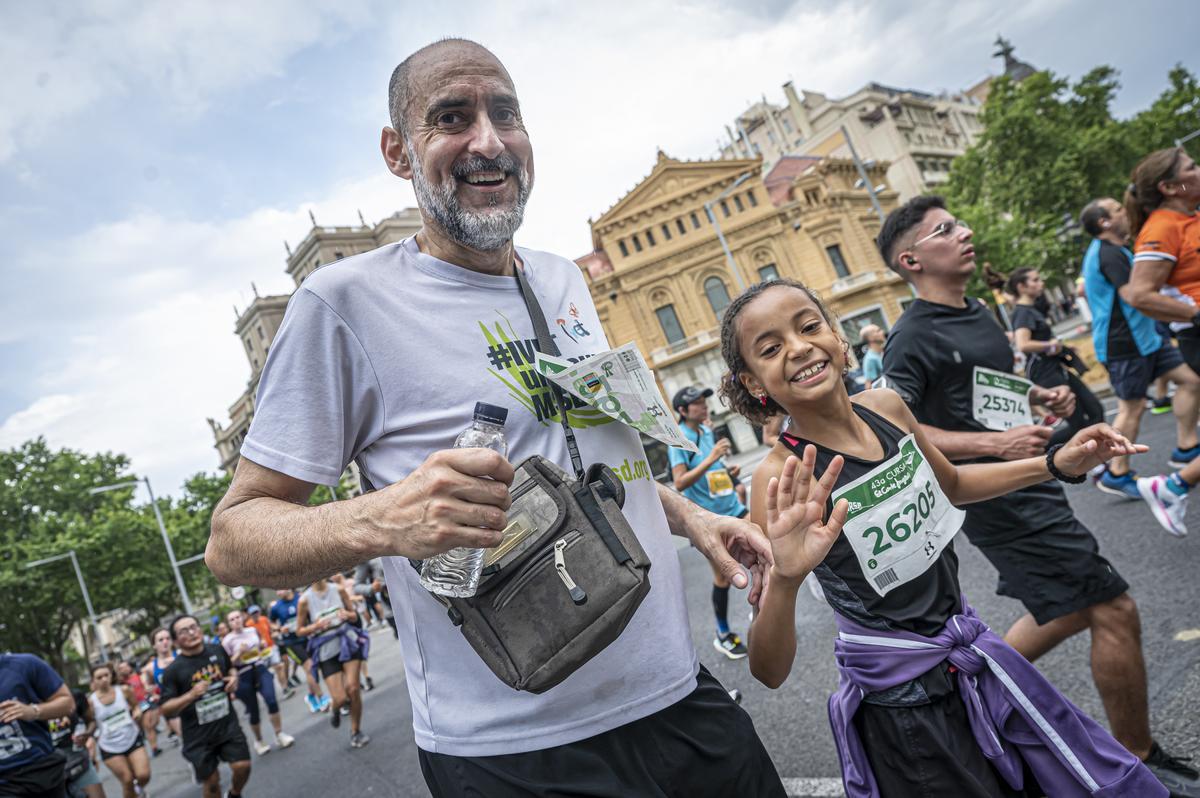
<point x="659" y="274"/>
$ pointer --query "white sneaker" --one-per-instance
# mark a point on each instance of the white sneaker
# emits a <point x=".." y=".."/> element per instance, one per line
<point x="284" y="739"/>
<point x="1167" y="506"/>
<point x="261" y="747"/>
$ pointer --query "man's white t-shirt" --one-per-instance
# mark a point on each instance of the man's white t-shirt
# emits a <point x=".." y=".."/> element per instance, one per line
<point x="380" y="359"/>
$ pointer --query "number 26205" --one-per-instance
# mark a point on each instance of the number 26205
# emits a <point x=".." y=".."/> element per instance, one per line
<point x="901" y="526"/>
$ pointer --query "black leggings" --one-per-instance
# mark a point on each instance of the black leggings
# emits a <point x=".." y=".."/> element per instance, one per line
<point x="251" y="682"/>
<point x="1088" y="410"/>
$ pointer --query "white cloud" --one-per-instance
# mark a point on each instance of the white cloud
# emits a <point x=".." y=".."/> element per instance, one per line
<point x="147" y="307"/>
<point x="62" y="58"/>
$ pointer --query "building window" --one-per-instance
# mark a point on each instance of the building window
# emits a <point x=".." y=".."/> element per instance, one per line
<point x="254" y="360"/>
<point x="812" y="196"/>
<point x="771" y="136"/>
<point x="737" y="201"/>
<point x="839" y="263"/>
<point x="650" y="238"/>
<point x="338" y="255"/>
<point x="725" y="208"/>
<point x="718" y="295"/>
<point x="669" y="323"/>
<point x="261" y="335"/>
<point x="666" y="230"/>
<point x="624" y="249"/>
<point x="249" y="348"/>
<point x="679" y="226"/>
<point x="768" y="273"/>
<point x="695" y="221"/>
<point x="637" y="243"/>
<point x="853" y="323"/>
<point x="753" y="199"/>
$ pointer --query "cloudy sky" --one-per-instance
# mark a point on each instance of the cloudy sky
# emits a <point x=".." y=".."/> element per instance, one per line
<point x="155" y="156"/>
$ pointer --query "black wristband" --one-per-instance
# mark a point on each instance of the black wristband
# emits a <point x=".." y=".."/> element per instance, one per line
<point x="1054" y="472"/>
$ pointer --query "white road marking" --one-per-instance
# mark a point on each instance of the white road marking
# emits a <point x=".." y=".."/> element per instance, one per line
<point x="814" y="788"/>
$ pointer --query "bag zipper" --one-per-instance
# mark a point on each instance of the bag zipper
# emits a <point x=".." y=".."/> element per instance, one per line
<point x="506" y="593"/>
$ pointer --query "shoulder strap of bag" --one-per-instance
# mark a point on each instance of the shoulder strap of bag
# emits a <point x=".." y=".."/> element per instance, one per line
<point x="546" y="344"/>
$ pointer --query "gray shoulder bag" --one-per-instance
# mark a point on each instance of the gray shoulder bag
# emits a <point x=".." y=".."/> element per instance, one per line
<point x="569" y="573"/>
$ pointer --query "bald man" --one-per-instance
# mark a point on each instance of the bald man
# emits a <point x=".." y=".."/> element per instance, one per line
<point x="380" y="360"/>
<point x="873" y="337"/>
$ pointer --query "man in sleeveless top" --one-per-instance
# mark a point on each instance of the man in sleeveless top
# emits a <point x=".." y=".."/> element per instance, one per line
<point x="947" y="358"/>
<point x="380" y="360"/>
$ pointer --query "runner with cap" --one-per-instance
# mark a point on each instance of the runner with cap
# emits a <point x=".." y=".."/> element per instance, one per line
<point x="704" y="478"/>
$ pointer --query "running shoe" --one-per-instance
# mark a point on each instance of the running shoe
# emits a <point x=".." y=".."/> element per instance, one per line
<point x="1168" y="506"/>
<point x="370" y="684"/>
<point x="736" y="695"/>
<point x="1124" y="486"/>
<point x="261" y="747"/>
<point x="288" y="693"/>
<point x="285" y="740"/>
<point x="359" y="740"/>
<point x="157" y="752"/>
<point x="1181" y="457"/>
<point x="314" y="704"/>
<point x="293" y="681"/>
<point x="1182" y="780"/>
<point x="325" y="702"/>
<point x="335" y="719"/>
<point x="1096" y="472"/>
<point x="730" y="645"/>
<point x="1160" y="406"/>
<point x="345" y="709"/>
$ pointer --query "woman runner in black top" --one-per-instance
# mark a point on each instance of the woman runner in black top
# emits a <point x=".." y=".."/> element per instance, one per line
<point x="785" y="356"/>
<point x="1044" y="364"/>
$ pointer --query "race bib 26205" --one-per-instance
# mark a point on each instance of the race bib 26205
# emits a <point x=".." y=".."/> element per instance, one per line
<point x="899" y="519"/>
<point x="999" y="400"/>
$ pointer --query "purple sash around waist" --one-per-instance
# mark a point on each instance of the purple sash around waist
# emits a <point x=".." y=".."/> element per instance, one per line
<point x="352" y="640"/>
<point x="1015" y="714"/>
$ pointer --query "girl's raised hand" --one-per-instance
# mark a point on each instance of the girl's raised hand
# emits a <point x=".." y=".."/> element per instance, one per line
<point x="1092" y="446"/>
<point x="795" y="505"/>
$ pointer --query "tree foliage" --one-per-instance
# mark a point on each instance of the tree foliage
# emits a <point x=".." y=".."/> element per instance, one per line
<point x="46" y="509"/>
<point x="1047" y="149"/>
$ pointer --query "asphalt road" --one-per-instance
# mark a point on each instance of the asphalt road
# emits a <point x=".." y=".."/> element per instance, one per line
<point x="792" y="720"/>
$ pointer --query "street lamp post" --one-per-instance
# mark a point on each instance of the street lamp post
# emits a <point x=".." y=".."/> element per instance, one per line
<point x="862" y="174"/>
<point x="162" y="528"/>
<point x="87" y="598"/>
<point x="712" y="217"/>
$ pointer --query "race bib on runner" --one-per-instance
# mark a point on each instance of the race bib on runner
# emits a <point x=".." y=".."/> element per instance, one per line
<point x="118" y="720"/>
<point x="899" y="520"/>
<point x="719" y="482"/>
<point x="1000" y="401"/>
<point x="212" y="707"/>
<point x="331" y="613"/>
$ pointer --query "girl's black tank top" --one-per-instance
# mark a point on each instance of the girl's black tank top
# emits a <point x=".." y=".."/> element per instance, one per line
<point x="922" y="605"/>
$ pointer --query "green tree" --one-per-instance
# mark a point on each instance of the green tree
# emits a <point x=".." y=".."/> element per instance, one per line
<point x="1048" y="148"/>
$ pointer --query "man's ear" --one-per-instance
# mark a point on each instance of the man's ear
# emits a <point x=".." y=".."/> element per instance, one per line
<point x="395" y="154"/>
<point x="908" y="261"/>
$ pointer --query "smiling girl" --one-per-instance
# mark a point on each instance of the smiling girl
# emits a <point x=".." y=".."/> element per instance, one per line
<point x="854" y="493"/>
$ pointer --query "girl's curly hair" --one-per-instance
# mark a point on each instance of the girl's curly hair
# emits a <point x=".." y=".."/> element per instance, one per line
<point x="733" y="392"/>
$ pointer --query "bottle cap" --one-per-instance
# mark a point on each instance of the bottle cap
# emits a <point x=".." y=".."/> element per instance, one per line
<point x="492" y="414"/>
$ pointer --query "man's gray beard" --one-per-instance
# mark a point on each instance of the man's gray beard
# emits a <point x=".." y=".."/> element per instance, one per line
<point x="485" y="232"/>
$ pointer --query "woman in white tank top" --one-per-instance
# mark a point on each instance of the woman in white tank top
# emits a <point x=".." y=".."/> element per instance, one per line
<point x="119" y="736"/>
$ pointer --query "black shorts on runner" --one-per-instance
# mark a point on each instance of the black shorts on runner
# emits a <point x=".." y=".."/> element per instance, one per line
<point x="704" y="745"/>
<point x="1131" y="377"/>
<point x="45" y="778"/>
<point x="1055" y="571"/>
<point x="332" y="666"/>
<point x="297" y="651"/>
<point x="929" y="749"/>
<point x="1189" y="347"/>
<point x="140" y="742"/>
<point x="205" y="759"/>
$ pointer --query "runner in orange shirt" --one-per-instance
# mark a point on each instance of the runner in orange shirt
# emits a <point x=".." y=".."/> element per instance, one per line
<point x="1161" y="203"/>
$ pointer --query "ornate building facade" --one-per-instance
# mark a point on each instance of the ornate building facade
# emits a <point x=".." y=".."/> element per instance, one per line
<point x="256" y="325"/>
<point x="659" y="274"/>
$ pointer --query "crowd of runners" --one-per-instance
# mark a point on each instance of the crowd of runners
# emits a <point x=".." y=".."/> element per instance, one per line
<point x="186" y="687"/>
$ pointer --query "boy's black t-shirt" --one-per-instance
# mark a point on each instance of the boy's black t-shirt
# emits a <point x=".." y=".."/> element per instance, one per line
<point x="929" y="360"/>
<point x="211" y="664"/>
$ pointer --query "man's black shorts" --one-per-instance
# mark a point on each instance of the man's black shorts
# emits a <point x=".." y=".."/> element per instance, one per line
<point x="296" y="650"/>
<point x="929" y="749"/>
<point x="703" y="746"/>
<point x="1131" y="376"/>
<point x="334" y="665"/>
<point x="45" y="778"/>
<point x="1055" y="571"/>
<point x="206" y="758"/>
<point x="1189" y="347"/>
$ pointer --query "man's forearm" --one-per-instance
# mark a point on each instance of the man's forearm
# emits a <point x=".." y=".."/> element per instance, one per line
<point x="269" y="542"/>
<point x="681" y="513"/>
<point x="172" y="708"/>
<point x="961" y="445"/>
<point x="1160" y="307"/>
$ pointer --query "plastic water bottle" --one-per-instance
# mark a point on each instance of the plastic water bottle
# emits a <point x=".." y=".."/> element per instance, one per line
<point x="456" y="572"/>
